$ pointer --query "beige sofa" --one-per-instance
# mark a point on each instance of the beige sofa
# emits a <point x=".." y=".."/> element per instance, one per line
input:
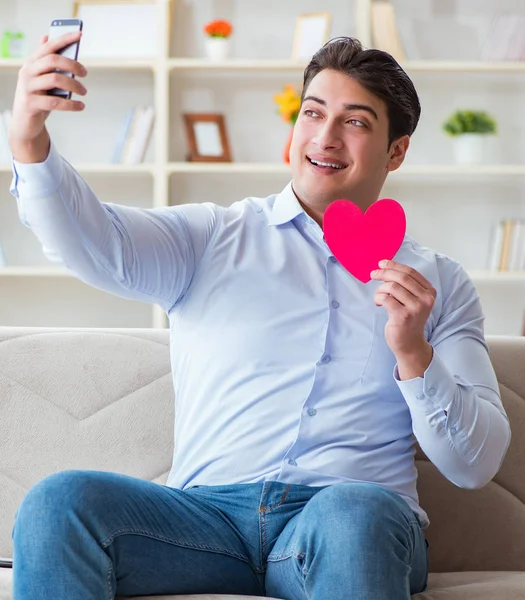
<point x="103" y="399"/>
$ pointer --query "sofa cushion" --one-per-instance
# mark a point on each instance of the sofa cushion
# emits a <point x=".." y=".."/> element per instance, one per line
<point x="474" y="585"/>
<point x="495" y="585"/>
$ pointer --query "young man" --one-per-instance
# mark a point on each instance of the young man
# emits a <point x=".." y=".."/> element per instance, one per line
<point x="299" y="389"/>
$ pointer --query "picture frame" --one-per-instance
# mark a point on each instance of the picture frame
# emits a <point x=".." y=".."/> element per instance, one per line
<point x="120" y="29"/>
<point x="312" y="30"/>
<point x="207" y="137"/>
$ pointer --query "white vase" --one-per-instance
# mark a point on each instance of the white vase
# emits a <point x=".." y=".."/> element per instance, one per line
<point x="469" y="148"/>
<point x="217" y="48"/>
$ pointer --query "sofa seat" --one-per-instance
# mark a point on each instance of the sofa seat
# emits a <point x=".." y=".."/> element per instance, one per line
<point x="472" y="585"/>
<point x="104" y="399"/>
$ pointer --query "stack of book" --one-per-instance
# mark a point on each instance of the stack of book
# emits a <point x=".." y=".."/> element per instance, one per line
<point x="385" y="34"/>
<point x="5" y="151"/>
<point x="506" y="39"/>
<point x="134" y="136"/>
<point x="507" y="248"/>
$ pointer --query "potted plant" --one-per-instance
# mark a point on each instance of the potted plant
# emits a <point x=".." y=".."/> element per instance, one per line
<point x="288" y="103"/>
<point x="469" y="129"/>
<point x="218" y="40"/>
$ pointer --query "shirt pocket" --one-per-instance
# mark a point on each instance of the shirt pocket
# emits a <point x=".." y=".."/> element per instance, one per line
<point x="378" y="370"/>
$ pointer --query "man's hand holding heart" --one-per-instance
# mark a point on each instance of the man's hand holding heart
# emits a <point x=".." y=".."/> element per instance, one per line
<point x="359" y="240"/>
<point x="408" y="298"/>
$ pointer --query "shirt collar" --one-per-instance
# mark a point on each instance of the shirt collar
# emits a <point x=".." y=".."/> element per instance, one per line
<point x="285" y="208"/>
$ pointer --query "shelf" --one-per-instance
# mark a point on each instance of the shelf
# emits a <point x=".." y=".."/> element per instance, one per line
<point x="233" y="167"/>
<point x="291" y="65"/>
<point x="478" y="276"/>
<point x="451" y="66"/>
<point x="112" y="169"/>
<point x="235" y="64"/>
<point x="246" y="64"/>
<point x="102" y="64"/>
<point x="33" y="272"/>
<point x="475" y="172"/>
<point x="406" y="170"/>
<point x="478" y="171"/>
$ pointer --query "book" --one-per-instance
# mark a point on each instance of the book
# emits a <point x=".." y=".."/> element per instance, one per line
<point x="521" y="247"/>
<point x="506" y="38"/>
<point x="5" y="150"/>
<point x="141" y="136"/>
<point x="385" y="34"/>
<point x="515" y="244"/>
<point x="2" y="257"/>
<point x="495" y="247"/>
<point x="123" y="134"/>
<point x="126" y="150"/>
<point x="505" y="250"/>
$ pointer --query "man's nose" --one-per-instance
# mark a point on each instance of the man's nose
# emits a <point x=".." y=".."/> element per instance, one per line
<point x="328" y="136"/>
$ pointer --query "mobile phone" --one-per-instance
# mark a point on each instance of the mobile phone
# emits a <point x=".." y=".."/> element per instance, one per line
<point x="60" y="27"/>
<point x="6" y="562"/>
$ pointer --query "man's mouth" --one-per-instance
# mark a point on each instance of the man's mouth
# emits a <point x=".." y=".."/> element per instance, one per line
<point x="327" y="164"/>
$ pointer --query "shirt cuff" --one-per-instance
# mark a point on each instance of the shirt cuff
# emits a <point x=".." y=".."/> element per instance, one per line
<point x="437" y="386"/>
<point x="38" y="179"/>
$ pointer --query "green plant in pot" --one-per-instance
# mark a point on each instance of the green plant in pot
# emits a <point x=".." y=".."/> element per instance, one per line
<point x="469" y="129"/>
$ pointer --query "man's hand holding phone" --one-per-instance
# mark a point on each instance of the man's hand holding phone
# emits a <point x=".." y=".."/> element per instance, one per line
<point x="33" y="103"/>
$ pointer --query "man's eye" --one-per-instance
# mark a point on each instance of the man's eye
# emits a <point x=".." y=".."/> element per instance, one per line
<point x="357" y="122"/>
<point x="310" y="113"/>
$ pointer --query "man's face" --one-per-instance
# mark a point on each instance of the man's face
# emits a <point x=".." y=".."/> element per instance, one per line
<point x="343" y="125"/>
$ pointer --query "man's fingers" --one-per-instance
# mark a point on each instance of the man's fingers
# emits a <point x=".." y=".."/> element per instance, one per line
<point x="416" y="275"/>
<point x="48" y="103"/>
<point x="56" y="44"/>
<point x="50" y="81"/>
<point x="51" y="62"/>
<point x="404" y="296"/>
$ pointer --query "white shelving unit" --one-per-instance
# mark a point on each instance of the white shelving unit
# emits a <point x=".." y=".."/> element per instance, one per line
<point x="175" y="82"/>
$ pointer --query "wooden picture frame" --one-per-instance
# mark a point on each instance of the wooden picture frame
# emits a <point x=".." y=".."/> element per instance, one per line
<point x="121" y="29"/>
<point x="206" y="137"/>
<point x="312" y="30"/>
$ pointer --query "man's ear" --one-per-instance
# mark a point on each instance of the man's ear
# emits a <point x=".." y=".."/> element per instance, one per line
<point x="397" y="152"/>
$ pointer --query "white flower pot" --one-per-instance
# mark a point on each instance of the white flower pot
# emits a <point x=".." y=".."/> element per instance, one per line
<point x="217" y="48"/>
<point x="469" y="148"/>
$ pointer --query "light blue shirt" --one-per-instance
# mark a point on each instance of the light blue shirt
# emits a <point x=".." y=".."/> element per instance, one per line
<point x="280" y="366"/>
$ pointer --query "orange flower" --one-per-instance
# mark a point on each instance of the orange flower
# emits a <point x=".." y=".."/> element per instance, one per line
<point x="289" y="103"/>
<point x="218" y="28"/>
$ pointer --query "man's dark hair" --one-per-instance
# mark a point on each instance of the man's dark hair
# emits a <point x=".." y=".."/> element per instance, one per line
<point x="379" y="73"/>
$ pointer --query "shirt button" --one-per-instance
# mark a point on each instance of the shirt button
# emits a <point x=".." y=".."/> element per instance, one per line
<point x="335" y="304"/>
<point x="292" y="462"/>
<point x="420" y="396"/>
<point x="453" y="429"/>
<point x="432" y="391"/>
<point x="333" y="259"/>
<point x="326" y="359"/>
<point x="312" y="412"/>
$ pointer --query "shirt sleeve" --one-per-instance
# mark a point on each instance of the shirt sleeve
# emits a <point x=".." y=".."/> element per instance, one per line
<point x="457" y="414"/>
<point x="142" y="254"/>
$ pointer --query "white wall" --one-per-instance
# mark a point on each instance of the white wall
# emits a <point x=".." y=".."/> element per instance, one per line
<point x="452" y="216"/>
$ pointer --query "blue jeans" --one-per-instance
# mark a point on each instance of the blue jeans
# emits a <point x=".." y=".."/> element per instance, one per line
<point x="90" y="535"/>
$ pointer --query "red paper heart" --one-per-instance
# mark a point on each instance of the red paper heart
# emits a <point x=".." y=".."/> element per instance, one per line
<point x="359" y="241"/>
